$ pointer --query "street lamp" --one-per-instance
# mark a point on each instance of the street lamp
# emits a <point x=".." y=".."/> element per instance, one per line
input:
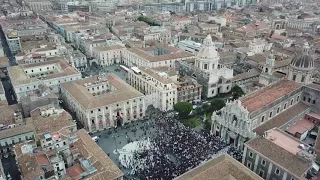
<point x="115" y="142"/>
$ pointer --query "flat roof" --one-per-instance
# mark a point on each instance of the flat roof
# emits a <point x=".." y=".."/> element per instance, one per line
<point x="80" y="93"/>
<point x="300" y="127"/>
<point x="285" y="141"/>
<point x="268" y="95"/>
<point x="220" y="168"/>
<point x="281" y="118"/>
<point x="279" y="155"/>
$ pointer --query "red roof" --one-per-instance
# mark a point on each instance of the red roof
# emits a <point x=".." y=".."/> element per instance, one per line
<point x="42" y="159"/>
<point x="75" y="171"/>
<point x="268" y="95"/>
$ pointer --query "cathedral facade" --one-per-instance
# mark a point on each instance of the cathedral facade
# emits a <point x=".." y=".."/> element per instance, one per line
<point x="214" y="77"/>
<point x="241" y="119"/>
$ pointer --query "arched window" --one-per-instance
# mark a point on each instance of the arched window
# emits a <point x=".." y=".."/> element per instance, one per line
<point x="266" y="70"/>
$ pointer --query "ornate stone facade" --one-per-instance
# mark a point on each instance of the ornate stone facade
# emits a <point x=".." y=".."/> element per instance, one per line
<point x="238" y="120"/>
<point x="214" y="77"/>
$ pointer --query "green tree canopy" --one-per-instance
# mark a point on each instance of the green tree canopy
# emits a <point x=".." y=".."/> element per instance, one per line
<point x="217" y="104"/>
<point x="236" y="92"/>
<point x="207" y="125"/>
<point x="183" y="108"/>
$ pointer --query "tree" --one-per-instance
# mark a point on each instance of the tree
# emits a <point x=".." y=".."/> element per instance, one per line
<point x="207" y="125"/>
<point x="236" y="92"/>
<point x="183" y="108"/>
<point x="217" y="104"/>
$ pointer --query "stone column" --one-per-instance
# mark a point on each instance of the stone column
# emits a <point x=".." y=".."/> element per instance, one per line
<point x="104" y="118"/>
<point x="96" y="120"/>
<point x="111" y="117"/>
<point x="244" y="155"/>
<point x="269" y="170"/>
<point x="89" y="122"/>
<point x="256" y="163"/>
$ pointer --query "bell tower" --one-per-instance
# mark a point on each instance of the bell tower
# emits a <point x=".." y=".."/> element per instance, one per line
<point x="266" y="77"/>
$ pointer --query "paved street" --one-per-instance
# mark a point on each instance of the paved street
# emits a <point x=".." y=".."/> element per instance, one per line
<point x="8" y="91"/>
<point x="130" y="132"/>
<point x="6" y="49"/>
<point x="10" y="166"/>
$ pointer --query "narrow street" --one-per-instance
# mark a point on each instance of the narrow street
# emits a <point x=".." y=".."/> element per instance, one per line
<point x="6" y="82"/>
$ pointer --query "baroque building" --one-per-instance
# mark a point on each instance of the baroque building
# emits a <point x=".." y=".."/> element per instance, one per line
<point x="206" y="69"/>
<point x="241" y="120"/>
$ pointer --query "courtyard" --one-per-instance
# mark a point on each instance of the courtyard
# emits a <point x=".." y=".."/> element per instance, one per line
<point x="96" y="70"/>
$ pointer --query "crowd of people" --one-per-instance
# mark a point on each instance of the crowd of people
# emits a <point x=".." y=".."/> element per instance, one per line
<point x="174" y="150"/>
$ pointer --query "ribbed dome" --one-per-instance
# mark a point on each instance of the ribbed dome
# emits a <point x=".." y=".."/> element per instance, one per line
<point x="208" y="50"/>
<point x="303" y="59"/>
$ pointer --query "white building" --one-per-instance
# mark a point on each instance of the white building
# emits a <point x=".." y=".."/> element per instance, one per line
<point x="105" y="101"/>
<point x="154" y="33"/>
<point x="155" y="81"/>
<point x="26" y="78"/>
<point x="273" y="106"/>
<point x="214" y="77"/>
<point x="189" y="46"/>
<point x="258" y="46"/>
<point x="78" y="60"/>
<point x="37" y="5"/>
<point x="108" y="55"/>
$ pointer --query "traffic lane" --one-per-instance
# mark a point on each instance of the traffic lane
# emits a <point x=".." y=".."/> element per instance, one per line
<point x="9" y="91"/>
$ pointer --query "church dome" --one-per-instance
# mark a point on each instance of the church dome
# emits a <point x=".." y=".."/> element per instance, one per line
<point x="208" y="50"/>
<point x="303" y="60"/>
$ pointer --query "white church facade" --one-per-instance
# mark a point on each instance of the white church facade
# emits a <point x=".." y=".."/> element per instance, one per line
<point x="268" y="107"/>
<point x="214" y="77"/>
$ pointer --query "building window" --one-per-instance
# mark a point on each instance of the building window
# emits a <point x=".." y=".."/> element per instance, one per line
<point x="91" y="112"/>
<point x="251" y="154"/>
<point x="263" y="162"/>
<point x="262" y="118"/>
<point x="249" y="164"/>
<point x="294" y="77"/>
<point x="285" y="106"/>
<point x="277" y="171"/>
<point x="270" y="114"/>
<point x="298" y="98"/>
<point x="261" y="173"/>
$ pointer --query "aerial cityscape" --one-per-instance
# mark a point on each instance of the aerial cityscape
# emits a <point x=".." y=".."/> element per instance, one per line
<point x="159" y="90"/>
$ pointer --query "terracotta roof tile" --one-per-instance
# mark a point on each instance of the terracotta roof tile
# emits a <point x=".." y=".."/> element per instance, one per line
<point x="282" y="157"/>
<point x="269" y="94"/>
<point x="106" y="169"/>
<point x="281" y="118"/>
<point x="79" y="92"/>
<point x="222" y="167"/>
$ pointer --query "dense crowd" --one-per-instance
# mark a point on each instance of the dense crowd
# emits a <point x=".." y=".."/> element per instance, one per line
<point x="174" y="150"/>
